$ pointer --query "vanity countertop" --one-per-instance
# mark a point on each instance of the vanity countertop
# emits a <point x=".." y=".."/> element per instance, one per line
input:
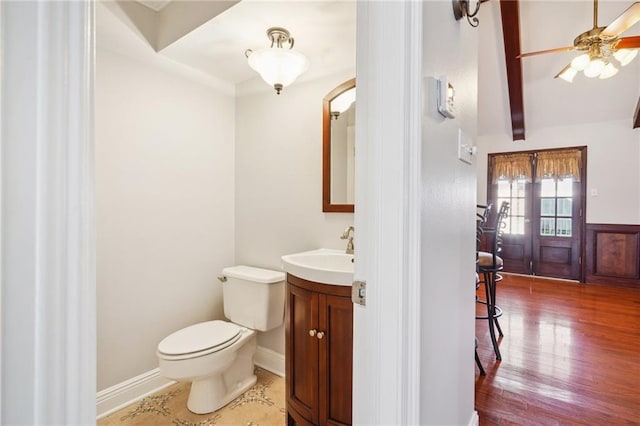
<point x="327" y="266"/>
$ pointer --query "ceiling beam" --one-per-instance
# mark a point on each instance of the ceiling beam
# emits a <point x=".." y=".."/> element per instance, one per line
<point x="510" y="12"/>
<point x="636" y="117"/>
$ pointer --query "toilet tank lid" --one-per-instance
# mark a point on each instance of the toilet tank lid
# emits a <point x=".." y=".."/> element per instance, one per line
<point x="250" y="273"/>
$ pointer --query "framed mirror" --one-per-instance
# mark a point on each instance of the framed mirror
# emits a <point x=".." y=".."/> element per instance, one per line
<point x="338" y="148"/>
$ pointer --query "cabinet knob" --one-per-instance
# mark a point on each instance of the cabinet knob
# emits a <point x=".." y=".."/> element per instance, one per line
<point x="312" y="332"/>
<point x="320" y="335"/>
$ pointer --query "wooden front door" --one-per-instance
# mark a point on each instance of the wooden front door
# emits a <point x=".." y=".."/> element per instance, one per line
<point x="556" y="229"/>
<point x="543" y="234"/>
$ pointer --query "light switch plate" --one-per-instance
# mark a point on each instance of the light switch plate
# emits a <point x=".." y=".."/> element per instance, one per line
<point x="466" y="148"/>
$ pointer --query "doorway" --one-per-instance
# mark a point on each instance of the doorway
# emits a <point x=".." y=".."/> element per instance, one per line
<point x="544" y="232"/>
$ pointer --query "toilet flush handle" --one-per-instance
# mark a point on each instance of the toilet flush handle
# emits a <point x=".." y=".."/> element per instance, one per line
<point x="222" y="278"/>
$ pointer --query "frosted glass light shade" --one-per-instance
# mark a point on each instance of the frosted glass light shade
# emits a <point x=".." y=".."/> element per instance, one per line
<point x="608" y="71"/>
<point x="568" y="74"/>
<point x="625" y="55"/>
<point x="580" y="62"/>
<point x="278" y="66"/>
<point x="595" y="67"/>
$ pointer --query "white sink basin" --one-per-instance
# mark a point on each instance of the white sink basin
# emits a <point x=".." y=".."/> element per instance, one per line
<point x="325" y="266"/>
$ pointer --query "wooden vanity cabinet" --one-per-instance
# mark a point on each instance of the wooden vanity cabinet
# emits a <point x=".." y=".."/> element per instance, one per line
<point x="319" y="353"/>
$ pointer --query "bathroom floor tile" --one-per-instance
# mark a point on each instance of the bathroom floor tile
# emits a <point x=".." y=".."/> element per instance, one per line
<point x="262" y="405"/>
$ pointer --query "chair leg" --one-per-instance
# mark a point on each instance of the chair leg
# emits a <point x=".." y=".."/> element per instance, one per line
<point x="494" y="284"/>
<point x="480" y="367"/>
<point x="489" y="285"/>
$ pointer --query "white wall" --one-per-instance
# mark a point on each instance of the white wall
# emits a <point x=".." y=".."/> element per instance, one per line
<point x="447" y="238"/>
<point x="613" y="164"/>
<point x="164" y="207"/>
<point x="279" y="179"/>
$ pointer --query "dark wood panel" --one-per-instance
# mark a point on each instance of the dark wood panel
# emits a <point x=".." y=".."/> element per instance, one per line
<point x="512" y="251"/>
<point x="515" y="255"/>
<point x="337" y="320"/>
<point x="613" y="254"/>
<point x="616" y="255"/>
<point x="302" y="352"/>
<point x="561" y="255"/>
<point x="569" y="355"/>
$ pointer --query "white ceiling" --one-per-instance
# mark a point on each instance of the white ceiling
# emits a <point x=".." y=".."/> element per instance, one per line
<point x="324" y="30"/>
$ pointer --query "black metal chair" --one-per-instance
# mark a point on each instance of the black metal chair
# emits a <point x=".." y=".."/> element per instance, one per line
<point x="490" y="264"/>
<point x="482" y="214"/>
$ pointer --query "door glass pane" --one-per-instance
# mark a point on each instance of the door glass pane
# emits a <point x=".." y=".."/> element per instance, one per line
<point x="516" y="208"/>
<point x="504" y="189"/>
<point x="565" y="187"/>
<point x="564" y="228"/>
<point x="507" y="226"/>
<point x="547" y="226"/>
<point x="519" y="188"/>
<point x="547" y="188"/>
<point x="548" y="207"/>
<point x="517" y="225"/>
<point x="564" y="207"/>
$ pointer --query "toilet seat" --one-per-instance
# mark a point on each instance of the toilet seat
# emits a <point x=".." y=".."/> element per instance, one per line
<point x="199" y="340"/>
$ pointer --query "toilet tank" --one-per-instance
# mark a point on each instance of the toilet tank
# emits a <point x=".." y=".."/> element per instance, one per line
<point x="254" y="297"/>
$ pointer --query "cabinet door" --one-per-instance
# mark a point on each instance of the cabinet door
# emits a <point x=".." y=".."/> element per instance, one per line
<point x="336" y="359"/>
<point x="302" y="352"/>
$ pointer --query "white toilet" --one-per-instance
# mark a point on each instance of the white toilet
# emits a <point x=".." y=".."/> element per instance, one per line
<point x="217" y="356"/>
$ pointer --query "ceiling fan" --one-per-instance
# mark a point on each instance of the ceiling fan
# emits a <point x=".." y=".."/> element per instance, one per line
<point x="599" y="44"/>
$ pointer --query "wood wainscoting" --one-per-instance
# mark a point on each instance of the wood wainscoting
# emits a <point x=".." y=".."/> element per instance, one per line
<point x="613" y="254"/>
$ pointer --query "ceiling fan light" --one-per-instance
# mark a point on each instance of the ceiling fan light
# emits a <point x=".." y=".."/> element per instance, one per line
<point x="568" y="74"/>
<point x="625" y="56"/>
<point x="579" y="63"/>
<point x="608" y="71"/>
<point x="595" y="68"/>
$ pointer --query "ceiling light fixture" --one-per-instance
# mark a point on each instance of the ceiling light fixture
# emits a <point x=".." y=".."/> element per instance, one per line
<point x="625" y="56"/>
<point x="278" y="67"/>
<point x="598" y="45"/>
<point x="461" y="9"/>
<point x="608" y="71"/>
<point x="597" y="63"/>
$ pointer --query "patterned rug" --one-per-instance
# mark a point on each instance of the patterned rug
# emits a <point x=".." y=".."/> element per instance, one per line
<point x="262" y="405"/>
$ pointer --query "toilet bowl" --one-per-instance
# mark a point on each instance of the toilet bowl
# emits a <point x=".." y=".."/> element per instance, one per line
<point x="217" y="356"/>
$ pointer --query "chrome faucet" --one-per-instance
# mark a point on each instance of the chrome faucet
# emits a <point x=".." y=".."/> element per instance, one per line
<point x="348" y="235"/>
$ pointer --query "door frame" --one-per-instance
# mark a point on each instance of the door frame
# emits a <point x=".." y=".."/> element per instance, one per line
<point x="583" y="189"/>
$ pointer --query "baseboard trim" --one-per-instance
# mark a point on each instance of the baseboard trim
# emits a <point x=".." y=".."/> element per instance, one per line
<point x="475" y="420"/>
<point x="270" y="360"/>
<point x="125" y="393"/>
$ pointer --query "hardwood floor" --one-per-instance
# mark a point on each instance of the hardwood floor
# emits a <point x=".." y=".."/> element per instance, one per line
<point x="570" y="355"/>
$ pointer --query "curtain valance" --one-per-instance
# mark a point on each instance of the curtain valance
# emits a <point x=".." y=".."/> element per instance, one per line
<point x="511" y="167"/>
<point x="559" y="164"/>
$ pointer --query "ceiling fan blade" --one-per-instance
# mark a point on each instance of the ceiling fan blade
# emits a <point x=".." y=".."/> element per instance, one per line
<point x="623" y="22"/>
<point x="632" y="42"/>
<point x="542" y="52"/>
<point x="562" y="70"/>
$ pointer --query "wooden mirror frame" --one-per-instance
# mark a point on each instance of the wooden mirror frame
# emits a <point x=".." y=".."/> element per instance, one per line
<point x="327" y="206"/>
